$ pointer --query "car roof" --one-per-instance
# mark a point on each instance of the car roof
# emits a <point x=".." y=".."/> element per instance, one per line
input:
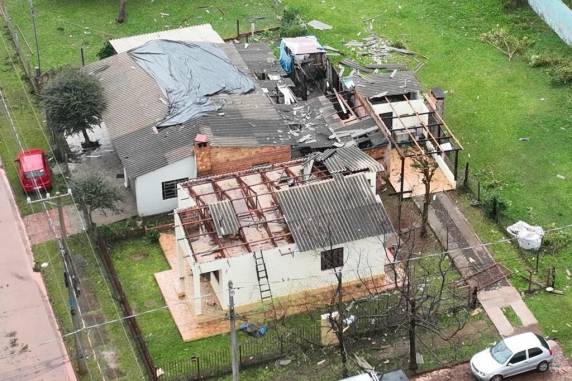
<point x="523" y="341"/>
<point x="31" y="159"/>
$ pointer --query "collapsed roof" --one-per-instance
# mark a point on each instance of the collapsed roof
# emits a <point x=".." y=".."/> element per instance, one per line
<point x="298" y="201"/>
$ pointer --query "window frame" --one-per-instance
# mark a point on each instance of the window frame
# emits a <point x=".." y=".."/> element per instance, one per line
<point x="335" y="260"/>
<point x="540" y="351"/>
<point x="175" y="182"/>
<point x="517" y="354"/>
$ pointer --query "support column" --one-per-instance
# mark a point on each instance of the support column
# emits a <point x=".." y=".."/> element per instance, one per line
<point x="180" y="271"/>
<point x="197" y="293"/>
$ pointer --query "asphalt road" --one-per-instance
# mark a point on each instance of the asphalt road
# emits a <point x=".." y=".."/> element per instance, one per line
<point x="30" y="345"/>
<point x="560" y="370"/>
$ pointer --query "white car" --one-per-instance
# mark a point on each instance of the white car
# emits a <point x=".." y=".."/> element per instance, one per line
<point x="511" y="356"/>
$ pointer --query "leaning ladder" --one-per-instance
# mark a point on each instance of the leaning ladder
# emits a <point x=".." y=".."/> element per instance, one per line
<point x="262" y="275"/>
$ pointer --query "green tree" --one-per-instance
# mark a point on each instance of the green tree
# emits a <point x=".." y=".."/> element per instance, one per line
<point x="73" y="102"/>
<point x="94" y="193"/>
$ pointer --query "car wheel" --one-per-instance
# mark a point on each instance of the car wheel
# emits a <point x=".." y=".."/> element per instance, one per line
<point x="496" y="378"/>
<point x="543" y="366"/>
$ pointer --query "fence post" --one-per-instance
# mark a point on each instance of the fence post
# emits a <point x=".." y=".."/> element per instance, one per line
<point x="466" y="179"/>
<point x="240" y="354"/>
<point x="479" y="191"/>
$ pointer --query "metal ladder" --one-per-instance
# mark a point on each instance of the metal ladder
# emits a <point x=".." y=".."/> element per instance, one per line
<point x="262" y="275"/>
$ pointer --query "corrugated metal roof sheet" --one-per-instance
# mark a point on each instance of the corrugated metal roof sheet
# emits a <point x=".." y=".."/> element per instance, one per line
<point x="350" y="159"/>
<point x="195" y="33"/>
<point x="371" y="86"/>
<point x="135" y="104"/>
<point x="333" y="212"/>
<point x="224" y="218"/>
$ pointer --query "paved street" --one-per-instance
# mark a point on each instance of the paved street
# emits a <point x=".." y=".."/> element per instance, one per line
<point x="30" y="344"/>
<point x="559" y="371"/>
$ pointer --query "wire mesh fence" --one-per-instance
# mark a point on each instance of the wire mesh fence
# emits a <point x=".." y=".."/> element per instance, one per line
<point x="251" y="353"/>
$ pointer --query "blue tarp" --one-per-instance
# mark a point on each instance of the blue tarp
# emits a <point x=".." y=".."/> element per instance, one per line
<point x="285" y="58"/>
<point x="188" y="73"/>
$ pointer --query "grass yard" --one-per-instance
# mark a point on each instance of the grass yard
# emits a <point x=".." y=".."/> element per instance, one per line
<point x="65" y="26"/>
<point x="551" y="310"/>
<point x="28" y="120"/>
<point x="110" y="343"/>
<point x="136" y="261"/>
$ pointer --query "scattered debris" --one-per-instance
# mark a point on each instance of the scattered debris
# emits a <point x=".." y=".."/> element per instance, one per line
<point x="284" y="362"/>
<point x="524" y="139"/>
<point x="321" y="362"/>
<point x="529" y="237"/>
<point x="315" y="24"/>
<point x="561" y="177"/>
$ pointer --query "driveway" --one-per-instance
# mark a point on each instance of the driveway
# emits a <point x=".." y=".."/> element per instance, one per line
<point x="559" y="371"/>
<point x="30" y="344"/>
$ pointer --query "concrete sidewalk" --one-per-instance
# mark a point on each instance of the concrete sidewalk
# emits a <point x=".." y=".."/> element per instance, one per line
<point x="31" y="347"/>
<point x="452" y="229"/>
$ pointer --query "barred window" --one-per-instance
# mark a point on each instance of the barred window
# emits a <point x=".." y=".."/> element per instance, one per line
<point x="331" y="259"/>
<point x="170" y="188"/>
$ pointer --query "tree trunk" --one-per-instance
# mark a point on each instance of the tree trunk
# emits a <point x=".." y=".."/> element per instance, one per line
<point x="122" y="12"/>
<point x="412" y="334"/>
<point x="425" y="214"/>
<point x="340" y="326"/>
<point x="88" y="141"/>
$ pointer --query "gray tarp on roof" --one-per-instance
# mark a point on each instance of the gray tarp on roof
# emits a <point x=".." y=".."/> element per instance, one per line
<point x="333" y="212"/>
<point x="188" y="73"/>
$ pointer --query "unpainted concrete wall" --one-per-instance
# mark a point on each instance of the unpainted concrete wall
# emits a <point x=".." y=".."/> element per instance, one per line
<point x="557" y="15"/>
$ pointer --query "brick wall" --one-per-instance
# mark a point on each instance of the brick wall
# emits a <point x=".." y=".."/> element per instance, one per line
<point x="217" y="160"/>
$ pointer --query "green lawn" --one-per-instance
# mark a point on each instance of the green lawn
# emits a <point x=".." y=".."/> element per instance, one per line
<point x="64" y="26"/>
<point x="552" y="311"/>
<point x="112" y="347"/>
<point x="28" y="121"/>
<point x="490" y="104"/>
<point x="136" y="261"/>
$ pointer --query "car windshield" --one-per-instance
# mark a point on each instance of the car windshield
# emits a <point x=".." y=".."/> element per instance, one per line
<point x="500" y="352"/>
<point x="34" y="174"/>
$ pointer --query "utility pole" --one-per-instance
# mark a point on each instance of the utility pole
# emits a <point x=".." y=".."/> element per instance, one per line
<point x="33" y="14"/>
<point x="71" y="282"/>
<point x="233" y="344"/>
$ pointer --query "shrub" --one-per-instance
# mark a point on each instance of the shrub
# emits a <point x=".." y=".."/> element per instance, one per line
<point x="494" y="205"/>
<point x="556" y="241"/>
<point x="512" y="4"/>
<point x="561" y="74"/>
<point x="505" y="42"/>
<point x="539" y="60"/>
<point x="152" y="235"/>
<point x="292" y="24"/>
<point x="106" y="51"/>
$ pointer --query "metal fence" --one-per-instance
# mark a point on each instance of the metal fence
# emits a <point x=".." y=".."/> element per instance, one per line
<point x="253" y="351"/>
<point x="487" y="194"/>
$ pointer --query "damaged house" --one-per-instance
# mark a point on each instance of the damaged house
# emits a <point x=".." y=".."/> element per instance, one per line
<point x="191" y="106"/>
<point x="279" y="231"/>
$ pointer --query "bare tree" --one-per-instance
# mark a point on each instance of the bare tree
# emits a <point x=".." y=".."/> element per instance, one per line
<point x="426" y="293"/>
<point x="425" y="165"/>
<point x="122" y="12"/>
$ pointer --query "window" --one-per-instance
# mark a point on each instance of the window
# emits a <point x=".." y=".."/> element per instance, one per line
<point x="170" y="188"/>
<point x="331" y="259"/>
<point x="520" y="356"/>
<point x="543" y="342"/>
<point x="533" y="352"/>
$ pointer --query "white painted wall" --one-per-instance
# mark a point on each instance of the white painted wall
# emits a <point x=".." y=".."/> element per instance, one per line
<point x="148" y="190"/>
<point x="291" y="272"/>
<point x="403" y="108"/>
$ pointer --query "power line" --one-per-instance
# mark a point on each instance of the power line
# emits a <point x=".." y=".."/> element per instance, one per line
<point x="40" y="126"/>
